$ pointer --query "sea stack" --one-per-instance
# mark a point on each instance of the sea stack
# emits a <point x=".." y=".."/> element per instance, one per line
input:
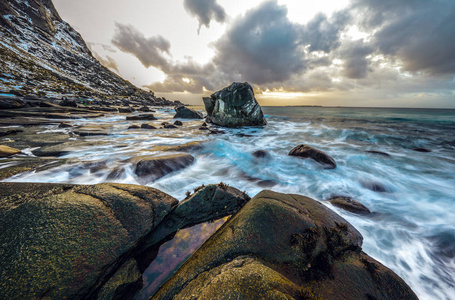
<point x="234" y="106"/>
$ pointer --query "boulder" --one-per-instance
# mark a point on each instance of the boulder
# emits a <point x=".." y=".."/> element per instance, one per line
<point x="178" y="123"/>
<point x="62" y="241"/>
<point x="207" y="203"/>
<point x="305" y="151"/>
<point x="234" y="106"/>
<point x="261" y="154"/>
<point x="183" y="112"/>
<point x="282" y="246"/>
<point x="134" y="126"/>
<point x="151" y="168"/>
<point x="8" y="151"/>
<point x="349" y="204"/>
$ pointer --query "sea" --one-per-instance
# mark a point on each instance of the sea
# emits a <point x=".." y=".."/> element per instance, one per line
<point x="412" y="225"/>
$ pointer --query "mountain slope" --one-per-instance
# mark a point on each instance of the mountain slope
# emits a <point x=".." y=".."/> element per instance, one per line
<point x="43" y="55"/>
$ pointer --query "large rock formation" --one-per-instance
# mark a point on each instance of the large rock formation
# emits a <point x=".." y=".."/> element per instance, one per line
<point x="62" y="241"/>
<point x="284" y="247"/>
<point x="41" y="54"/>
<point x="234" y="106"/>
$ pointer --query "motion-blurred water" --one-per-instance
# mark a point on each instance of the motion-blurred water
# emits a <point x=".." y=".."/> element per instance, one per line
<point x="412" y="227"/>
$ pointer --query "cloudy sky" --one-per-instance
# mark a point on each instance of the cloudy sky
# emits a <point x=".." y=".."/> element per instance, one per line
<point x="294" y="52"/>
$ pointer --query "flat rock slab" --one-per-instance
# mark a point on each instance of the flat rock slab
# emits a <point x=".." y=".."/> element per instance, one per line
<point x="305" y="151"/>
<point x="282" y="246"/>
<point x="91" y="130"/>
<point x="62" y="241"/>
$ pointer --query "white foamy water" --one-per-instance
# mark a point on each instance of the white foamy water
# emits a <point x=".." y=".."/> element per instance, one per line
<point x="412" y="227"/>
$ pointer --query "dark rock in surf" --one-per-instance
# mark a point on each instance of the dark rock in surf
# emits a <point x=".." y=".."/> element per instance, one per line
<point x="349" y="204"/>
<point x="10" y="132"/>
<point x="148" y="126"/>
<point x="178" y="123"/>
<point x="261" y="154"/>
<point x="379" y="153"/>
<point x="70" y="241"/>
<point x="305" y="151"/>
<point x="423" y="150"/>
<point x="282" y="246"/>
<point x="234" y="106"/>
<point x="151" y="168"/>
<point x="134" y="127"/>
<point x="68" y="103"/>
<point x="183" y="112"/>
<point x="374" y="186"/>
<point x="125" y="110"/>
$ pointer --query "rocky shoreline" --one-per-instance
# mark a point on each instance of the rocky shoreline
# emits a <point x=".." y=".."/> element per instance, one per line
<point x="69" y="241"/>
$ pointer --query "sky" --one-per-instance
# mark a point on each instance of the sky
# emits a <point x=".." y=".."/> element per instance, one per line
<point x="363" y="53"/>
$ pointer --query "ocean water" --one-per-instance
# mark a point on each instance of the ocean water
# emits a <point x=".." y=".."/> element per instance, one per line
<point x="412" y="226"/>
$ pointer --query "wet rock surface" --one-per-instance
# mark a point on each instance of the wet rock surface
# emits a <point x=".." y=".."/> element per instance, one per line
<point x="305" y="151"/>
<point x="281" y="246"/>
<point x="151" y="168"/>
<point x="183" y="112"/>
<point x="69" y="240"/>
<point x="349" y="204"/>
<point x="234" y="106"/>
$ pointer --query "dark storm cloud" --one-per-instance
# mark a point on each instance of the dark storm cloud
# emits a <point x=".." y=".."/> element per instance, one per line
<point x="323" y="34"/>
<point x="148" y="50"/>
<point x="354" y="54"/>
<point x="420" y="33"/>
<point x="205" y="11"/>
<point x="263" y="46"/>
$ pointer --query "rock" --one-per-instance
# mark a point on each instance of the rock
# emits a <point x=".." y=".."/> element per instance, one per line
<point x="179" y="148"/>
<point x="261" y="154"/>
<point x="135" y="126"/>
<point x="234" y="106"/>
<point x="284" y="247"/>
<point x="183" y="112"/>
<point x="125" y="110"/>
<point x="64" y="125"/>
<point x="148" y="117"/>
<point x="423" y="150"/>
<point x="203" y="128"/>
<point x="68" y="103"/>
<point x="54" y="150"/>
<point x="305" y="151"/>
<point x="178" y="123"/>
<point x="10" y="132"/>
<point x="379" y="153"/>
<point x="349" y="204"/>
<point x="151" y="168"/>
<point x="10" y="103"/>
<point x="374" y="186"/>
<point x="147" y="126"/>
<point x="208" y="203"/>
<point x="8" y="151"/>
<point x="68" y="240"/>
<point x="91" y="130"/>
<point x="144" y="109"/>
<point x="168" y="126"/>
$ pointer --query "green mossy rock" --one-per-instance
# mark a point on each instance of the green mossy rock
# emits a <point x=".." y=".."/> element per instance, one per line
<point x="61" y="241"/>
<point x="282" y="246"/>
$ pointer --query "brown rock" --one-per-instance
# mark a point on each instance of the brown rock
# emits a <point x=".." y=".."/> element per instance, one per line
<point x="151" y="168"/>
<point x="284" y="247"/>
<point x="8" y="151"/>
<point x="349" y="204"/>
<point x="305" y="151"/>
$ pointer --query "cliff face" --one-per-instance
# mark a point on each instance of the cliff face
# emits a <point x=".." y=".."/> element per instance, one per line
<point x="42" y="54"/>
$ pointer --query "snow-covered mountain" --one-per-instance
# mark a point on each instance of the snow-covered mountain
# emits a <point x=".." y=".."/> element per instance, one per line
<point x="41" y="54"/>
